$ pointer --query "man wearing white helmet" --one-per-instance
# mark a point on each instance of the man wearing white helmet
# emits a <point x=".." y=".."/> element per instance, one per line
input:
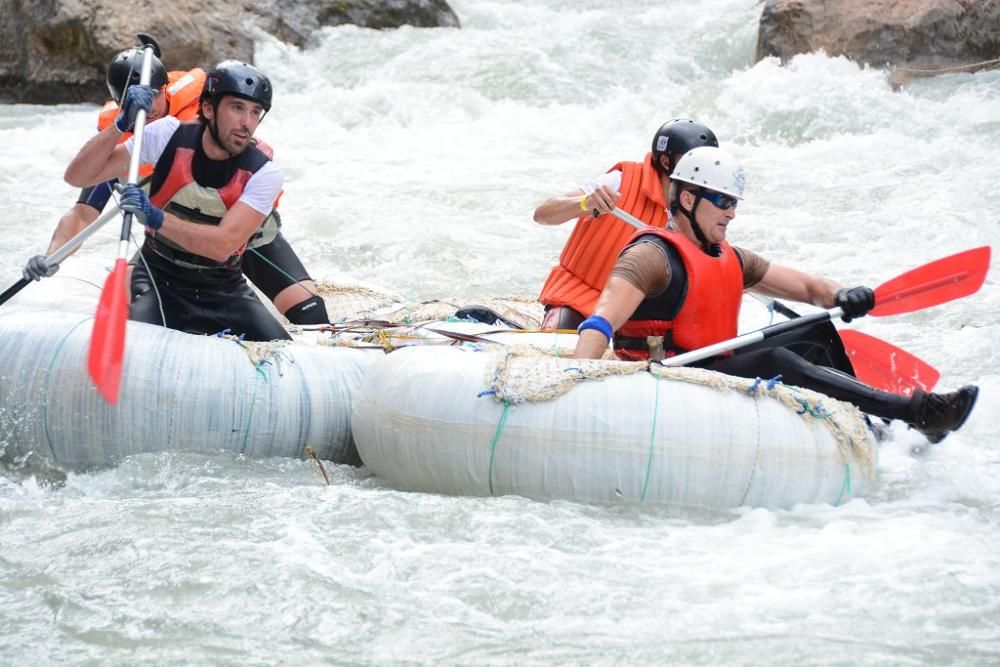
<point x="684" y="286"/>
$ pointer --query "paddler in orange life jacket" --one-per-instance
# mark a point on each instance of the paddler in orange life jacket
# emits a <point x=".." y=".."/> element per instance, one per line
<point x="638" y="188"/>
<point x="680" y="289"/>
<point x="177" y="94"/>
<point x="271" y="263"/>
<point x="211" y="189"/>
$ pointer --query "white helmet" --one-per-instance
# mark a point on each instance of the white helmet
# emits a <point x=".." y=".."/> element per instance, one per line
<point x="713" y="169"/>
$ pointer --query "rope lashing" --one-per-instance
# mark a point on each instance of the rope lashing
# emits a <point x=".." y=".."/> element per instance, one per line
<point x="769" y="385"/>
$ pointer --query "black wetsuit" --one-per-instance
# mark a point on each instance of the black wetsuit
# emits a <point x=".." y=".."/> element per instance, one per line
<point x="181" y="290"/>
<point x="204" y="301"/>
<point x="272" y="267"/>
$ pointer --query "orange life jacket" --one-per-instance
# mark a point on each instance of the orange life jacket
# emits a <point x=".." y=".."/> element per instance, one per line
<point x="594" y="246"/>
<point x="183" y="91"/>
<point x="698" y="308"/>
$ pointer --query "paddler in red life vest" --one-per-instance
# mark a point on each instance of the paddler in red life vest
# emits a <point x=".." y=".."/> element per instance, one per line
<point x="638" y="188"/>
<point x="271" y="263"/>
<point x="684" y="285"/>
<point x="211" y="189"/>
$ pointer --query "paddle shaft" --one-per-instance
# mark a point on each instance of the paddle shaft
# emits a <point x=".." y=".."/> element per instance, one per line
<point x="65" y="250"/>
<point x="134" y="159"/>
<point x="106" y="357"/>
<point x="752" y="337"/>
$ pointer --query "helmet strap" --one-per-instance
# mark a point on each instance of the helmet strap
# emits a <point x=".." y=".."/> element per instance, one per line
<point x="710" y="249"/>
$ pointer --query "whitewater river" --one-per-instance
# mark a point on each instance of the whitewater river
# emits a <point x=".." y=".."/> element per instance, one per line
<point x="413" y="161"/>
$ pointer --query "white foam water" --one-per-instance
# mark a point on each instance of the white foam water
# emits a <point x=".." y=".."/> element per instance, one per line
<point x="413" y="160"/>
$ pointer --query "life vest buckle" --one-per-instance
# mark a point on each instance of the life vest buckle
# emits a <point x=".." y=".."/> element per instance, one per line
<point x="655" y="345"/>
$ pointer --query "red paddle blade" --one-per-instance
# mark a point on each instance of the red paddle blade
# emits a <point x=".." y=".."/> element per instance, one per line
<point x="107" y="342"/>
<point x="884" y="366"/>
<point x="943" y="280"/>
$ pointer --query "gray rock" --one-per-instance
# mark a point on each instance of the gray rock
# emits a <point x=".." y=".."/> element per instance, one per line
<point x="54" y="51"/>
<point x="918" y="37"/>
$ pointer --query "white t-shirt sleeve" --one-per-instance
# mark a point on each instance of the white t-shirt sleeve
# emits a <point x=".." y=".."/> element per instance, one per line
<point x="612" y="179"/>
<point x="263" y="188"/>
<point x="155" y="137"/>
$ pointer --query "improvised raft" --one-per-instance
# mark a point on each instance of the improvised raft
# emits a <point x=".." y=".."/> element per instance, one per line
<point x="459" y="411"/>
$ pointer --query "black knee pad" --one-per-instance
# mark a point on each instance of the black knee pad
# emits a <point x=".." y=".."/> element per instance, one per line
<point x="310" y="311"/>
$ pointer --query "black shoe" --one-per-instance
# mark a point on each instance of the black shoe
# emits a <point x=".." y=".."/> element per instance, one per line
<point x="940" y="414"/>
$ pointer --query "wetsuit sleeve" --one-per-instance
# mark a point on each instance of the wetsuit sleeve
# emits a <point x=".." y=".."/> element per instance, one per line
<point x="754" y="267"/>
<point x="645" y="267"/>
<point x="97" y="196"/>
<point x="263" y="188"/>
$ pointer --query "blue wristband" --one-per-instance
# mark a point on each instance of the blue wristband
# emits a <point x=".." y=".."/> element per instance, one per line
<point x="597" y="323"/>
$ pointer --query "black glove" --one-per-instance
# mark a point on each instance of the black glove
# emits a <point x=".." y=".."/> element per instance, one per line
<point x="136" y="97"/>
<point x="38" y="268"/>
<point x="855" y="301"/>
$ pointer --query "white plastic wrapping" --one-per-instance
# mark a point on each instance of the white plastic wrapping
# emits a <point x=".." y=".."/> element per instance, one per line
<point x="421" y="423"/>
<point x="179" y="392"/>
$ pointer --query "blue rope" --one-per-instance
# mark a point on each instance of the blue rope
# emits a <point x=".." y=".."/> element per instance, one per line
<point x="769" y="384"/>
<point x="818" y="412"/>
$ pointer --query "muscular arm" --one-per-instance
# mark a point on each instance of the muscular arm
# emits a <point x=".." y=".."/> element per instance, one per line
<point x="601" y="197"/>
<point x="100" y="159"/>
<point x="557" y="210"/>
<point x="618" y="301"/>
<point x="788" y="283"/>
<point x="71" y="224"/>
<point x="641" y="271"/>
<point x="215" y="242"/>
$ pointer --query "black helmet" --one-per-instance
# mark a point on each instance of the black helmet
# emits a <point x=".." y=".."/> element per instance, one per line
<point x="125" y="69"/>
<point x="232" y="77"/>
<point x="677" y="137"/>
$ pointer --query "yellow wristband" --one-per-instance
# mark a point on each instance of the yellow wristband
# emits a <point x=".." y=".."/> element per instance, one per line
<point x="583" y="202"/>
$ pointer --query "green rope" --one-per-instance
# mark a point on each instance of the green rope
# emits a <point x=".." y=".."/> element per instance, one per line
<point x="846" y="486"/>
<point x="496" y="439"/>
<point x="45" y="387"/>
<point x="756" y="450"/>
<point x="253" y="400"/>
<point x="284" y="273"/>
<point x="652" y="442"/>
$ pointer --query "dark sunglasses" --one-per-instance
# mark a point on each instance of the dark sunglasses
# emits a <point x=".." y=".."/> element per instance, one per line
<point x="721" y="201"/>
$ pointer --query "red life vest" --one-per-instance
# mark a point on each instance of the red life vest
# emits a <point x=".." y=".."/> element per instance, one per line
<point x="175" y="190"/>
<point x="593" y="247"/>
<point x="697" y="309"/>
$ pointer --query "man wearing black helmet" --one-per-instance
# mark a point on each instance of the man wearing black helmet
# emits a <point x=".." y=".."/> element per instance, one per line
<point x="270" y="263"/>
<point x="122" y="72"/>
<point x="212" y="188"/>
<point x="638" y="188"/>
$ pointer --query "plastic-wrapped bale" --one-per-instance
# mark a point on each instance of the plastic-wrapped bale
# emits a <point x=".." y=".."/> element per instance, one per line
<point x="462" y="421"/>
<point x="179" y="392"/>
